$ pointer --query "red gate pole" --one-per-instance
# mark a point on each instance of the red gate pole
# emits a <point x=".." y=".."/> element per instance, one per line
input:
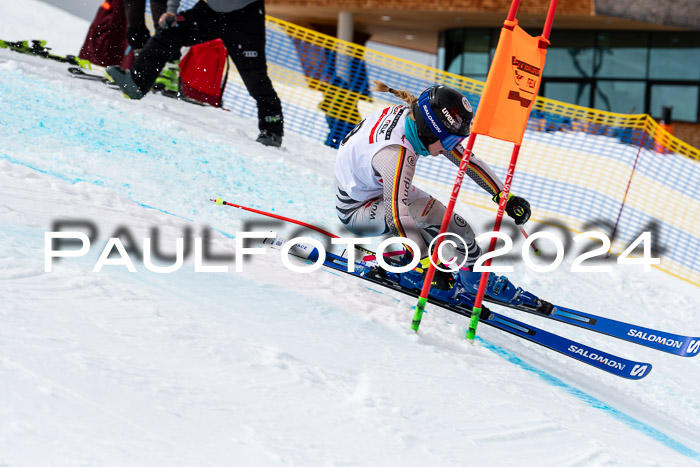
<point x="476" y="311"/>
<point x="425" y="291"/>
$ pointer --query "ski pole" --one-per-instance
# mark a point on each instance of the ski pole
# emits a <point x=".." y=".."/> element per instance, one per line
<point x="537" y="251"/>
<point x="370" y="254"/>
<point x="220" y="202"/>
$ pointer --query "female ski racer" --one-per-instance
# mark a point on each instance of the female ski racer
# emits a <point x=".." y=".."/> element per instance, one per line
<point x="375" y="194"/>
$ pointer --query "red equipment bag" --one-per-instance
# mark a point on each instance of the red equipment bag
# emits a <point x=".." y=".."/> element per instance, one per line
<point x="106" y="42"/>
<point x="203" y="72"/>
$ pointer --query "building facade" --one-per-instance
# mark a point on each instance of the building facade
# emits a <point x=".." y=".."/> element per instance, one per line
<point x="616" y="55"/>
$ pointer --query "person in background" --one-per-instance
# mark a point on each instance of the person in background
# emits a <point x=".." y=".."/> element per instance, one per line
<point x="137" y="35"/>
<point x="341" y="97"/>
<point x="241" y="26"/>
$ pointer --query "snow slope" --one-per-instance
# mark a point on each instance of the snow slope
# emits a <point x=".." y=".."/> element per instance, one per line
<point x="266" y="366"/>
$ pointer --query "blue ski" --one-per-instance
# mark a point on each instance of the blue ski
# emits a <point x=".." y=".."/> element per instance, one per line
<point x="685" y="346"/>
<point x="605" y="361"/>
<point x="676" y="344"/>
<point x="602" y="360"/>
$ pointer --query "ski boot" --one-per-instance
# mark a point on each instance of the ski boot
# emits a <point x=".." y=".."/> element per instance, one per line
<point x="268" y="138"/>
<point x="502" y="290"/>
<point x="169" y="78"/>
<point x="125" y="82"/>
<point x="443" y="288"/>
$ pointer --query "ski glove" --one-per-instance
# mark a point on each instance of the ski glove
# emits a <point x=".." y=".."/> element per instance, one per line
<point x="169" y="20"/>
<point x="518" y="208"/>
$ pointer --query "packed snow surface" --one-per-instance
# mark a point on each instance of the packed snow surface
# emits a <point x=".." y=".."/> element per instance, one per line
<point x="267" y="366"/>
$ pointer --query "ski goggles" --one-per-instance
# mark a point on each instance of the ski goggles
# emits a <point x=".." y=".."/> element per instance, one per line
<point x="448" y="140"/>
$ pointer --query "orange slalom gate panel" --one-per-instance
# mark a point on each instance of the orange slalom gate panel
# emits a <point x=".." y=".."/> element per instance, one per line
<point x="512" y="84"/>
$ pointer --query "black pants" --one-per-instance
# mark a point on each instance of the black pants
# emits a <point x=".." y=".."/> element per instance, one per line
<point x="137" y="33"/>
<point x="243" y="33"/>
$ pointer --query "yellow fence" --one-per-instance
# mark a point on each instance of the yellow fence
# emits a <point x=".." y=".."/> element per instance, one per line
<point x="580" y="168"/>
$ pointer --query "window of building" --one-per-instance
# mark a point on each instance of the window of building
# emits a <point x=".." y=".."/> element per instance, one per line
<point x="571" y="55"/>
<point x="625" y="97"/>
<point x="574" y="93"/>
<point x="618" y="71"/>
<point x="675" y="55"/>
<point x="473" y="58"/>
<point x="621" y="54"/>
<point x="454" y="40"/>
<point x="683" y="99"/>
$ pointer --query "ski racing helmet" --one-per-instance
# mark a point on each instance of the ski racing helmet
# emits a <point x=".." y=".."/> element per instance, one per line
<point x="443" y="114"/>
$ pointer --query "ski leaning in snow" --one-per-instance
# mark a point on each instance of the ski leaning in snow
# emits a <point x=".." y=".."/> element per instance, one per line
<point x="614" y="364"/>
<point x="82" y="74"/>
<point x="38" y="48"/>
